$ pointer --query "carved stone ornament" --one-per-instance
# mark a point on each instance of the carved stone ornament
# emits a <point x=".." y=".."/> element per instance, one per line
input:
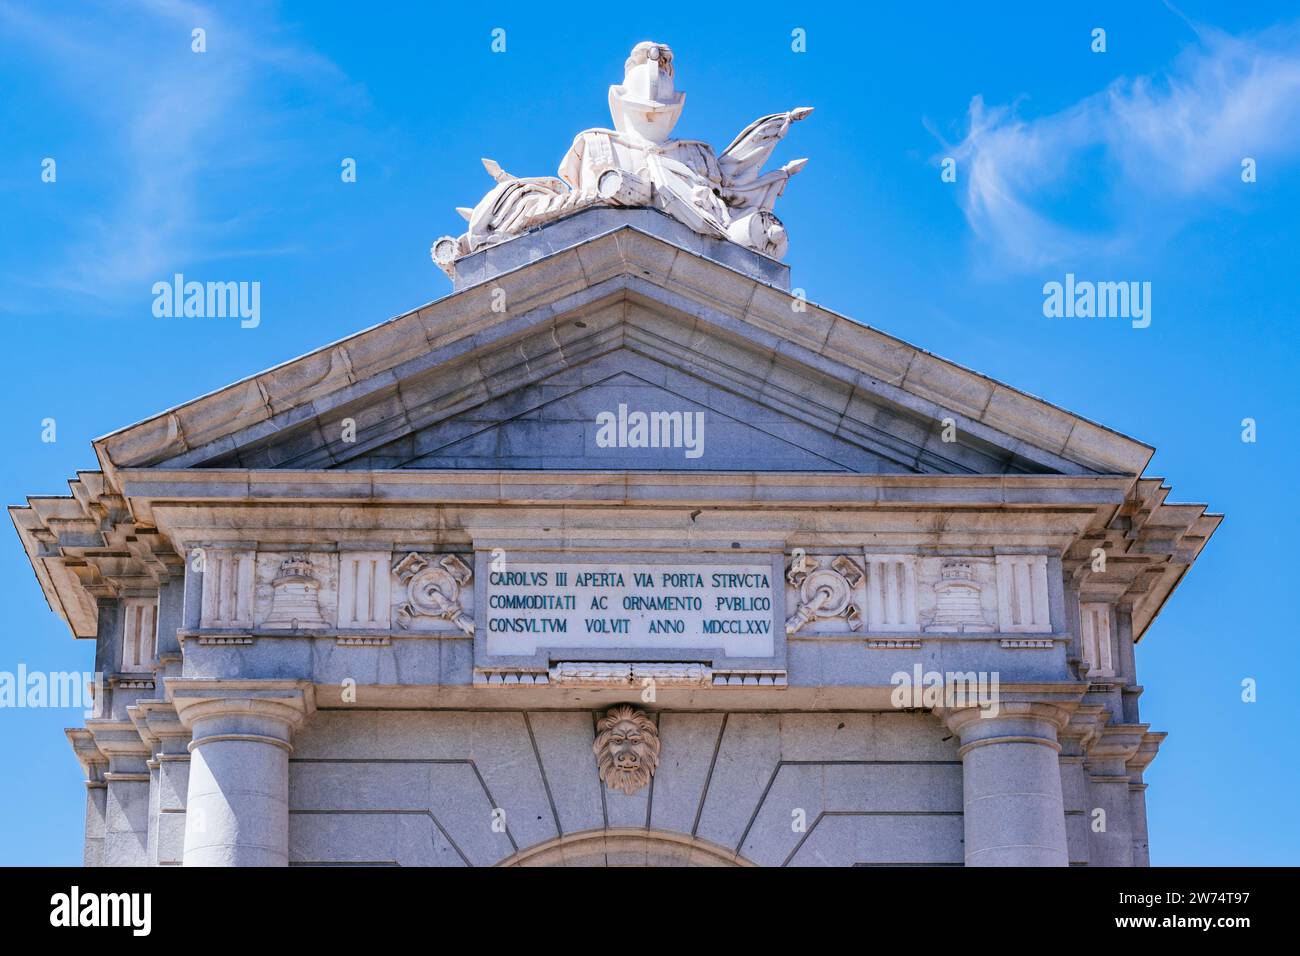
<point x="824" y="592"/>
<point x="602" y="674"/>
<point x="295" y="596"/>
<point x="724" y="196"/>
<point x="626" y="748"/>
<point x="957" y="601"/>
<point x="433" y="590"/>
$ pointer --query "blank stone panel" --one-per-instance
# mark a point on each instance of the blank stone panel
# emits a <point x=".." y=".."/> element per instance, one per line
<point x="1095" y="638"/>
<point x="855" y="840"/>
<point x="227" y="588"/>
<point x="171" y="838"/>
<point x="688" y="743"/>
<point x="747" y="758"/>
<point x="1077" y="837"/>
<point x="381" y="839"/>
<point x="360" y="786"/>
<point x="891" y="592"/>
<point x="173" y="783"/>
<point x="564" y="741"/>
<point x="139" y="634"/>
<point x="503" y="753"/>
<point x="803" y="792"/>
<point x="461" y="806"/>
<point x="1022" y="593"/>
<point x="364" y="589"/>
<point x="627" y="810"/>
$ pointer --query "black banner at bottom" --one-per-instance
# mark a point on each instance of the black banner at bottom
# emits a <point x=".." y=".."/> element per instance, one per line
<point x="334" y="905"/>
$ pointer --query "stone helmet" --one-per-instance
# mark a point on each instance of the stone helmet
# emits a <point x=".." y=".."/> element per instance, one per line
<point x="646" y="104"/>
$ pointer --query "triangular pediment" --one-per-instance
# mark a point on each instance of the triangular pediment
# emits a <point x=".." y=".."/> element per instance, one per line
<point x="623" y="411"/>
<point x="513" y="373"/>
<point x="538" y="404"/>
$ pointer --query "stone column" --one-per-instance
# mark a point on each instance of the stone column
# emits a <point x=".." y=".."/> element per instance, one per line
<point x="126" y="803"/>
<point x="94" y="763"/>
<point x="237" y="808"/>
<point x="1108" y="776"/>
<point x="1137" y="790"/>
<point x="1014" y="814"/>
<point x="168" y="739"/>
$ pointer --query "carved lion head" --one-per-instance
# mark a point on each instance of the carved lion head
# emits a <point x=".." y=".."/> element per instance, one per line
<point x="627" y="748"/>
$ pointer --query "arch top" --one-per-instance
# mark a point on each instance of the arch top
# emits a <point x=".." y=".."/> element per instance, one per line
<point x="626" y="846"/>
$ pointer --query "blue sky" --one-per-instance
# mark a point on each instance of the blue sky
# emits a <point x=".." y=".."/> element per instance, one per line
<point x="1122" y="165"/>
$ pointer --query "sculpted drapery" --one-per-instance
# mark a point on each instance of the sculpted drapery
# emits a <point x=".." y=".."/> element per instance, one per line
<point x="637" y="164"/>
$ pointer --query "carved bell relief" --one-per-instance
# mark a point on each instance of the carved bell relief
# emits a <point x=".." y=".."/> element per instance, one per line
<point x="958" y="601"/>
<point x="295" y="596"/>
<point x="824" y="593"/>
<point x="432" y="591"/>
<point x="626" y="748"/>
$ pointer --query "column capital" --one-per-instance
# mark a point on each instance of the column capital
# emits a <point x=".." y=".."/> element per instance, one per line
<point x="237" y="804"/>
<point x="198" y="700"/>
<point x="93" y="761"/>
<point x="1146" y="752"/>
<point x="1033" y="722"/>
<point x="1012" y="807"/>
<point x="120" y="743"/>
<point x="159" y="726"/>
<point x="1112" y="749"/>
<point x="1085" y="726"/>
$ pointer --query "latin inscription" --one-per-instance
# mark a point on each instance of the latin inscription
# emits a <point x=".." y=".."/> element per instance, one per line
<point x="630" y="606"/>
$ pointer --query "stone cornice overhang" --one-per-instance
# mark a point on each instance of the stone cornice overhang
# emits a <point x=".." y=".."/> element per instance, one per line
<point x="100" y="542"/>
<point x="610" y="264"/>
<point x="144" y="487"/>
<point x="1149" y="544"/>
<point x="638" y="510"/>
<point x="97" y="543"/>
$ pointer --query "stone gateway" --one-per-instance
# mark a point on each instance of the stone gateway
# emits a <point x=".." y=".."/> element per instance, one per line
<point x="434" y="595"/>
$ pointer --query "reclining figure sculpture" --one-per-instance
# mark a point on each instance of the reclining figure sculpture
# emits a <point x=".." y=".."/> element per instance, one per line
<point x="636" y="164"/>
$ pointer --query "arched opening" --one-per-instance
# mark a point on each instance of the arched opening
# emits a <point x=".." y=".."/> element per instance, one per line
<point x="626" y="847"/>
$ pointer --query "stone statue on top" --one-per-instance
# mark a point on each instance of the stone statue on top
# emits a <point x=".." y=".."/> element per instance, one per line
<point x="726" y="196"/>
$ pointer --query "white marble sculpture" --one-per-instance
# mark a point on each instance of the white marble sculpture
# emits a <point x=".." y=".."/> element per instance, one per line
<point x="637" y="164"/>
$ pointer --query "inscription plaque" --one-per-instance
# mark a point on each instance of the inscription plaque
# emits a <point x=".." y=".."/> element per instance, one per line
<point x="610" y="606"/>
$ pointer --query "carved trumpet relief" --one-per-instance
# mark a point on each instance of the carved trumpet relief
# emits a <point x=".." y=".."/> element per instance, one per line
<point x="432" y="591"/>
<point x="824" y="593"/>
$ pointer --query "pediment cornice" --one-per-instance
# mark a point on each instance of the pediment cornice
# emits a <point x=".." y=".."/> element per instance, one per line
<point x="624" y="269"/>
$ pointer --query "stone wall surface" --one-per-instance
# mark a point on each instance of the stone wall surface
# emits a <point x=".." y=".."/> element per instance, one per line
<point x="420" y="788"/>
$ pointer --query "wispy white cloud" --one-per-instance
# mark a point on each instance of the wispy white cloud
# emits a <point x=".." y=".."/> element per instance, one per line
<point x="167" y="122"/>
<point x="1149" y="153"/>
